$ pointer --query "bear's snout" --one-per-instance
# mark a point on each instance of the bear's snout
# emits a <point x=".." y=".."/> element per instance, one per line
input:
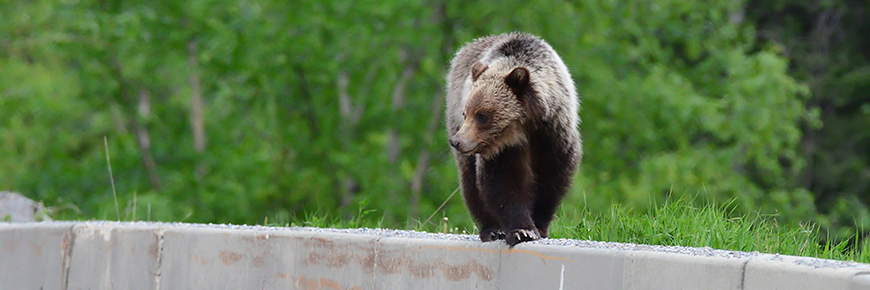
<point x="453" y="143"/>
<point x="462" y="145"/>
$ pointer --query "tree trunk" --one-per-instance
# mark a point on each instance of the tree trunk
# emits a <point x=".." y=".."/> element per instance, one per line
<point x="823" y="37"/>
<point x="196" y="106"/>
<point x="196" y="121"/>
<point x="143" y="139"/>
<point x="308" y="109"/>
<point x="397" y="103"/>
<point x="350" y="116"/>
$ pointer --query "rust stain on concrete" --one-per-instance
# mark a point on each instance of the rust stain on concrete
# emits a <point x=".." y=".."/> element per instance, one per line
<point x="423" y="269"/>
<point x="329" y="254"/>
<point x="397" y="262"/>
<point x="198" y="259"/>
<point x="316" y="242"/>
<point x="154" y="247"/>
<point x="329" y="283"/>
<point x="66" y="243"/>
<point x="35" y="248"/>
<point x="259" y="260"/>
<point x="319" y="283"/>
<point x="369" y="260"/>
<point x="10" y="246"/>
<point x="230" y="258"/>
<point x="333" y="260"/>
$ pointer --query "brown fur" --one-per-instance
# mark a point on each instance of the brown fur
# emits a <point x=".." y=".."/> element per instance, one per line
<point x="512" y="120"/>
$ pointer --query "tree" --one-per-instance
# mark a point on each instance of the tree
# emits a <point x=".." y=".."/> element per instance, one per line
<point x="828" y="50"/>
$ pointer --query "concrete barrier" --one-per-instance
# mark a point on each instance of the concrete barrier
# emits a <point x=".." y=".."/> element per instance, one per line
<point x="109" y="255"/>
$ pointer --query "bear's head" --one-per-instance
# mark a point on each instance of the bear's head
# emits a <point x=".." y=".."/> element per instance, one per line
<point x="498" y="110"/>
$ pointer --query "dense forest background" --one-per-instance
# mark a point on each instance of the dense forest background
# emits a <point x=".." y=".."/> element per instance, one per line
<point x="240" y="110"/>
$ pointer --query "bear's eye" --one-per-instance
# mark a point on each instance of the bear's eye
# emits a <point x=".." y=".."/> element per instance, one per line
<point x="481" y="118"/>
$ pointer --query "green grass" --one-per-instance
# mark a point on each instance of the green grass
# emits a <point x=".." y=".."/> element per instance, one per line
<point x="676" y="223"/>
<point x="679" y="223"/>
<point x="364" y="218"/>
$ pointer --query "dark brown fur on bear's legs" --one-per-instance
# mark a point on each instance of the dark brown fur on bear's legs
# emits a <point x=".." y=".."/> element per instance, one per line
<point x="489" y="227"/>
<point x="507" y="183"/>
<point x="553" y="169"/>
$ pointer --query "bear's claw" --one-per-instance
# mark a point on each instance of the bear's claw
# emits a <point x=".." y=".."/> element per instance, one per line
<point x="489" y="235"/>
<point x="522" y="235"/>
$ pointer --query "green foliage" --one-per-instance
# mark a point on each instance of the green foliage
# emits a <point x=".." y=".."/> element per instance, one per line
<point x="313" y="107"/>
<point x="675" y="103"/>
<point x="826" y="43"/>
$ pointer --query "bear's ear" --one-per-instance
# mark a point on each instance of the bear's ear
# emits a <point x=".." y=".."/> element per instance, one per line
<point x="477" y="69"/>
<point x="518" y="79"/>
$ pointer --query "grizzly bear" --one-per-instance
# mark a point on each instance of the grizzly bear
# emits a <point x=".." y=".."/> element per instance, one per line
<point x="513" y="128"/>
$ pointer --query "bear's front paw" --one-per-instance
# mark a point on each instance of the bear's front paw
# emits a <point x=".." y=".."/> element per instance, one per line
<point x="522" y="235"/>
<point x="491" y="234"/>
